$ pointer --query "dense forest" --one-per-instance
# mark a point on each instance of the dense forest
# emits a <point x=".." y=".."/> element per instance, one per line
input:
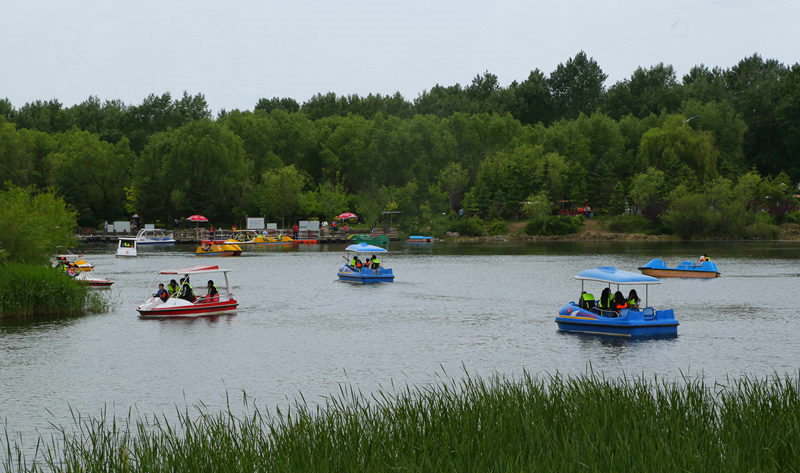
<point x="714" y="153"/>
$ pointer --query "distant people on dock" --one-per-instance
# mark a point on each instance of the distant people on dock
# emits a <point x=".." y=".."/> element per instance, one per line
<point x="334" y="226"/>
<point x="295" y="229"/>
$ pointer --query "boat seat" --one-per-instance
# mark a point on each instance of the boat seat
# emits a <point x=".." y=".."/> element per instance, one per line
<point x="648" y="312"/>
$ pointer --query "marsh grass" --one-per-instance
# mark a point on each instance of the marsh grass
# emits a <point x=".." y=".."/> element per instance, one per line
<point x="28" y="291"/>
<point x="559" y="424"/>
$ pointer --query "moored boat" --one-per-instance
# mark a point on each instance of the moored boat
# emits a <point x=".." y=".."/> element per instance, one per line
<point x="370" y="238"/>
<point x="154" y="236"/>
<point x="253" y="238"/>
<point x="629" y="321"/>
<point x="687" y="269"/>
<point x="208" y="248"/>
<point x="184" y="303"/>
<point x="420" y="239"/>
<point x="353" y="272"/>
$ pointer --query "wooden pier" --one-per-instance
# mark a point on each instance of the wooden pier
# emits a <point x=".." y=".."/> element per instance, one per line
<point x="193" y="235"/>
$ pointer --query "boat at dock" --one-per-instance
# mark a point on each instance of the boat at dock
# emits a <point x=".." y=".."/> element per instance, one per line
<point x="253" y="238"/>
<point x="420" y="239"/>
<point x="364" y="275"/>
<point x="154" y="236"/>
<point x="687" y="269"/>
<point x="190" y="305"/>
<point x="370" y="239"/>
<point x="586" y="317"/>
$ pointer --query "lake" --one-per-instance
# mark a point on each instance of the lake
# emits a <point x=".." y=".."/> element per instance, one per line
<point x="485" y="308"/>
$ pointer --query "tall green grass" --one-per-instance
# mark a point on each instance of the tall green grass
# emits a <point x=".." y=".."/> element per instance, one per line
<point x="559" y="424"/>
<point x="28" y="291"/>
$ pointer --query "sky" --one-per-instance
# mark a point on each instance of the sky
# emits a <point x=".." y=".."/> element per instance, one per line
<point x="237" y="51"/>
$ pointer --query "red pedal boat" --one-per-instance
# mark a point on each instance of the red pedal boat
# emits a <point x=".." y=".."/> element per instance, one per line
<point x="185" y="302"/>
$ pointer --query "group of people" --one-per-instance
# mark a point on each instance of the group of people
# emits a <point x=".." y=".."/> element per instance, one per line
<point x="370" y="263"/>
<point x="608" y="302"/>
<point x="184" y="291"/>
<point x="70" y="269"/>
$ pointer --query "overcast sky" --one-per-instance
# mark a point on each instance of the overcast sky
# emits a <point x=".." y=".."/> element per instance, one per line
<point x="237" y="51"/>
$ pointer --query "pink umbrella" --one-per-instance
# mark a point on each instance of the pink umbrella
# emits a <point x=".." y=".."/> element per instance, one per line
<point x="197" y="218"/>
<point x="346" y="216"/>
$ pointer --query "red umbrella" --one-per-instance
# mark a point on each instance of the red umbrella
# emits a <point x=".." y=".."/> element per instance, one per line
<point x="346" y="216"/>
<point x="197" y="218"/>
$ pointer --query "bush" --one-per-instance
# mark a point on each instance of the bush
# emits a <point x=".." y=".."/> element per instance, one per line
<point x="633" y="224"/>
<point x="498" y="227"/>
<point x="762" y="231"/>
<point x="468" y="226"/>
<point x="554" y="225"/>
<point x="27" y="291"/>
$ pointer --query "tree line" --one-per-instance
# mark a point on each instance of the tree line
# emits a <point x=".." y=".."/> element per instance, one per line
<point x="644" y="145"/>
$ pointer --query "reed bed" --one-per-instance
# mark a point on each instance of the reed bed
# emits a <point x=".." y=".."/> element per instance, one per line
<point x="28" y="291"/>
<point x="556" y="423"/>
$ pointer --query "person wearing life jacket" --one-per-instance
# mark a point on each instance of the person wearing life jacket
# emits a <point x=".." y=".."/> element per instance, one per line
<point x="704" y="258"/>
<point x="605" y="299"/>
<point x="586" y="301"/>
<point x="619" y="301"/>
<point x="162" y="293"/>
<point x="353" y="261"/>
<point x="376" y="263"/>
<point x="172" y="288"/>
<point x="70" y="270"/>
<point x="633" y="299"/>
<point x="213" y="294"/>
<point x="186" y="292"/>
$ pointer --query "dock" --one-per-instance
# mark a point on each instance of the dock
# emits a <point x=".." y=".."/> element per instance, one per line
<point x="193" y="235"/>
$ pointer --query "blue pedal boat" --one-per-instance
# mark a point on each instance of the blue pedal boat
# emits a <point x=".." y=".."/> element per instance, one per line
<point x="687" y="269"/>
<point x="628" y="322"/>
<point x="364" y="275"/>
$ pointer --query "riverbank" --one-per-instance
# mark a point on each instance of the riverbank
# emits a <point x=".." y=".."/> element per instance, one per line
<point x="593" y="230"/>
<point x="553" y="423"/>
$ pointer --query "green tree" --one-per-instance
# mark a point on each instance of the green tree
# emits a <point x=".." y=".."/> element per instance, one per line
<point x="577" y="86"/>
<point x="91" y="175"/>
<point x="647" y="192"/>
<point x="453" y="180"/>
<point x="34" y="225"/>
<point x="674" y="143"/>
<point x="279" y="195"/>
<point x="200" y="167"/>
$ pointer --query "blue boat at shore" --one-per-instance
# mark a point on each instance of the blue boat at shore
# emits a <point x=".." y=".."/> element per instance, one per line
<point x="687" y="269"/>
<point x="626" y="322"/>
<point x="364" y="275"/>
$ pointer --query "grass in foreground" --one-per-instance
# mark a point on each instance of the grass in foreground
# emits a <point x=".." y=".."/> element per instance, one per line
<point x="28" y="291"/>
<point x="586" y="423"/>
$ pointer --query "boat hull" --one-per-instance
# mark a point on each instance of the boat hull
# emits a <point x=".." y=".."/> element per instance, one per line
<point x="97" y="282"/>
<point x="367" y="276"/>
<point x="630" y="323"/>
<point x="187" y="311"/>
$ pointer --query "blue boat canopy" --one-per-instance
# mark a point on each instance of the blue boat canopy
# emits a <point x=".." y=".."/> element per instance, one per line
<point x="365" y="248"/>
<point x="612" y="275"/>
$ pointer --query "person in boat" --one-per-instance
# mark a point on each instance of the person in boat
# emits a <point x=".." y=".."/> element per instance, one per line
<point x="586" y="301"/>
<point x="354" y="262"/>
<point x="172" y="288"/>
<point x="161" y="293"/>
<point x="633" y="299"/>
<point x="619" y="301"/>
<point x="212" y="295"/>
<point x="368" y="262"/>
<point x="186" y="292"/>
<point x="70" y="270"/>
<point x="605" y="299"/>
<point x="206" y="245"/>
<point x="376" y="263"/>
<point x="703" y="258"/>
